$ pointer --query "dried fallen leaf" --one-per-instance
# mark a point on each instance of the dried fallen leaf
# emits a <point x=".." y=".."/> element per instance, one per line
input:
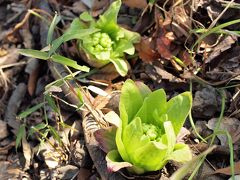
<point x="186" y="58"/>
<point x="10" y="58"/>
<point x="231" y="125"/>
<point x="146" y="49"/>
<point x="3" y="130"/>
<point x="32" y="81"/>
<point x="27" y="152"/>
<point x="97" y="90"/>
<point x="107" y="74"/>
<point x="140" y="4"/>
<point x="163" y="45"/>
<point x="83" y="174"/>
<point x="96" y="4"/>
<point x="78" y="7"/>
<point x="112" y="118"/>
<point x="227" y="170"/>
<point x="3" y="52"/>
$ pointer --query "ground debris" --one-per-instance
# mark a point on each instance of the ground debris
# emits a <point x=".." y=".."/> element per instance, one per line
<point x="205" y="102"/>
<point x="13" y="106"/>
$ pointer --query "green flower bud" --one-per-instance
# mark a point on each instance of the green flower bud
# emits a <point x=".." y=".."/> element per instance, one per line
<point x="97" y="35"/>
<point x="98" y="48"/>
<point x="145" y="127"/>
<point x="150" y="130"/>
<point x="105" y="40"/>
<point x="152" y="134"/>
<point x="95" y="41"/>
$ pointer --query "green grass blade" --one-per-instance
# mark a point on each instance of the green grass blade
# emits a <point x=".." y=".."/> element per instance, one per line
<point x="20" y="134"/>
<point x="78" y="34"/>
<point x="54" y="23"/>
<point x="215" y="29"/>
<point x="192" y="122"/>
<point x="214" y="132"/>
<point x="36" y="128"/>
<point x="184" y="170"/>
<point x="55" y="135"/>
<point x="34" y="53"/>
<point x="51" y="103"/>
<point x="69" y="62"/>
<point x="29" y="111"/>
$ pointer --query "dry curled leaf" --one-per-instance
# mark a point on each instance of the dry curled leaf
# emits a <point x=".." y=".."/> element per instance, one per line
<point x="227" y="170"/>
<point x="146" y="49"/>
<point x="163" y="45"/>
<point x="140" y="4"/>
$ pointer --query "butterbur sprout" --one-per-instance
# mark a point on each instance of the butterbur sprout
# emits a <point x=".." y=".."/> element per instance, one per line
<point x="145" y="135"/>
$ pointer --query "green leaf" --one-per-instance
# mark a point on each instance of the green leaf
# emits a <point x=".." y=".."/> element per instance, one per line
<point x="124" y="46"/>
<point x="181" y="153"/>
<point x="30" y="111"/>
<point x="51" y="103"/>
<point x="185" y="169"/>
<point x="103" y="55"/>
<point x="153" y="107"/>
<point x="20" y="134"/>
<point x="144" y="89"/>
<point x="85" y="16"/>
<point x="131" y="36"/>
<point x="79" y="95"/>
<point x="133" y="137"/>
<point x="120" y="145"/>
<point x="171" y="137"/>
<point x="34" y="53"/>
<point x="150" y="157"/>
<point x="76" y="25"/>
<point x="69" y="62"/>
<point x="55" y="134"/>
<point x="38" y="127"/>
<point x="178" y="109"/>
<point x="55" y="21"/>
<point x="108" y="21"/>
<point x="115" y="162"/>
<point x="130" y="102"/>
<point x="106" y="138"/>
<point x="121" y="66"/>
<point x="70" y="35"/>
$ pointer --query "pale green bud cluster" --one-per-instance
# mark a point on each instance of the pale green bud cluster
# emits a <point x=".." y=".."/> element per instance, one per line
<point x="101" y="42"/>
<point x="151" y="131"/>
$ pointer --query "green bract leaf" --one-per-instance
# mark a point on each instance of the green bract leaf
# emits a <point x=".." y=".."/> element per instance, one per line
<point x="146" y="135"/>
<point x="114" y="161"/>
<point x="144" y="90"/>
<point x="133" y="137"/>
<point x="150" y="157"/>
<point x="120" y="65"/>
<point x="171" y="137"/>
<point x="106" y="138"/>
<point x="153" y="107"/>
<point x="130" y="102"/>
<point x="181" y="153"/>
<point x="178" y="109"/>
<point x="85" y="16"/>
<point x="108" y="21"/>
